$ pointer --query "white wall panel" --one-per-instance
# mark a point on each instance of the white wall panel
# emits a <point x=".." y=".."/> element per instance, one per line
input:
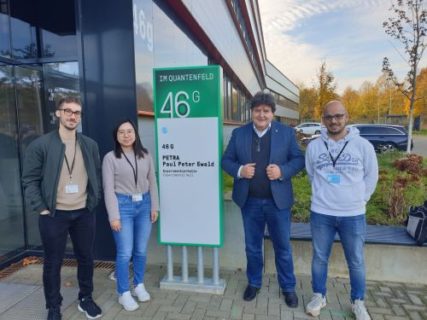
<point x="276" y="81"/>
<point x="277" y="87"/>
<point x="216" y="21"/>
<point x="286" y="112"/>
<point x="256" y="26"/>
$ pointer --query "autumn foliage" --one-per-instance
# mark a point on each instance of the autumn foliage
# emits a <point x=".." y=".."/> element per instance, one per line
<point x="371" y="103"/>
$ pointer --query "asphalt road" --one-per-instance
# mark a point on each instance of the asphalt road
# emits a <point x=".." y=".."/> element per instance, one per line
<point x="420" y="145"/>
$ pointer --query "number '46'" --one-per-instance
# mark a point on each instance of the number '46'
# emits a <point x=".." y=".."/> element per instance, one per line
<point x="176" y="105"/>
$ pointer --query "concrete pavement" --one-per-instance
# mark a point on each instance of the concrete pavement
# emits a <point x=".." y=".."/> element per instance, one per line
<point x="21" y="297"/>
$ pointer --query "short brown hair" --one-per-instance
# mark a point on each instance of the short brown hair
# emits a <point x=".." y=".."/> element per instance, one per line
<point x="69" y="99"/>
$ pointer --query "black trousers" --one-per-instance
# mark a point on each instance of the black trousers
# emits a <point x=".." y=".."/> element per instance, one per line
<point x="80" y="224"/>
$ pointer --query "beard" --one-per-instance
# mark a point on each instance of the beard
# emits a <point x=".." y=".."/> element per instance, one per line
<point x="71" y="126"/>
<point x="337" y="132"/>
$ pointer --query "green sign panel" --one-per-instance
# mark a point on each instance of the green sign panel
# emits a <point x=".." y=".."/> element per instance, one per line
<point x="188" y="110"/>
<point x="188" y="92"/>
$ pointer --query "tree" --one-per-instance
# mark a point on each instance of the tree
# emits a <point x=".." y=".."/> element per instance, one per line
<point x="307" y="102"/>
<point x="351" y="100"/>
<point x="421" y="104"/>
<point x="408" y="25"/>
<point x="369" y="101"/>
<point x="326" y="89"/>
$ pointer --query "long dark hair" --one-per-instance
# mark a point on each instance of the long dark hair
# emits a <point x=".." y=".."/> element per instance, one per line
<point x="138" y="148"/>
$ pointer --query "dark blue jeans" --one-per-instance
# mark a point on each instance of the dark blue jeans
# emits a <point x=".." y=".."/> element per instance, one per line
<point x="80" y="224"/>
<point x="352" y="232"/>
<point x="256" y="214"/>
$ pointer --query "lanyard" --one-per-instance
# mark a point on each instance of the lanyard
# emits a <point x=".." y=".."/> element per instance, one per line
<point x="70" y="170"/>
<point x="134" y="169"/>
<point x="334" y="161"/>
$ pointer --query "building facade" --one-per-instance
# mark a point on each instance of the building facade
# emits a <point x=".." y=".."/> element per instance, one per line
<point x="104" y="53"/>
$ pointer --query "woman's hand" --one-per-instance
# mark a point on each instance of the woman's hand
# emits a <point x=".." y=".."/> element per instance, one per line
<point x="154" y="216"/>
<point x="116" y="225"/>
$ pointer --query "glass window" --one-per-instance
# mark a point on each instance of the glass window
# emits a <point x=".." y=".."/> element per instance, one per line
<point x="226" y="95"/>
<point x="248" y="109"/>
<point x="36" y="32"/>
<point x="57" y="31"/>
<point x="235" y="104"/>
<point x="376" y="130"/>
<point x="229" y="100"/>
<point x="362" y="130"/>
<point x="24" y="41"/>
<point x="11" y="218"/>
<point x="55" y="45"/>
<point x="389" y="130"/>
<point x="60" y="79"/>
<point x="29" y="105"/>
<point x="23" y="29"/>
<point x="242" y="104"/>
<point x="4" y="29"/>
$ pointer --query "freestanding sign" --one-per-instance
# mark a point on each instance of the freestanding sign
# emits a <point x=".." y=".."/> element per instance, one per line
<point x="188" y="110"/>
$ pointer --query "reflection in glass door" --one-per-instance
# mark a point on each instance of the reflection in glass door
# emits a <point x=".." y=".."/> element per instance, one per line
<point x="60" y="79"/>
<point x="11" y="209"/>
<point x="30" y="110"/>
<point x="28" y="86"/>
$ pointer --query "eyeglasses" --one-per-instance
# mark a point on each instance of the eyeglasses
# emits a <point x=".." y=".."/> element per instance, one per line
<point x="70" y="112"/>
<point x="330" y="117"/>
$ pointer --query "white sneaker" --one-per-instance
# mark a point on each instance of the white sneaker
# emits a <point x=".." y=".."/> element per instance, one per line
<point x="141" y="293"/>
<point x="359" y="310"/>
<point x="112" y="275"/>
<point x="128" y="302"/>
<point x="317" y="302"/>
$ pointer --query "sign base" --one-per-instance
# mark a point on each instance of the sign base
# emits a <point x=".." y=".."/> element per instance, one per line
<point x="207" y="286"/>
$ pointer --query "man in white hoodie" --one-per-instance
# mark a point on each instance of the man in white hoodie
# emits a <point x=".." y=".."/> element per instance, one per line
<point x="343" y="170"/>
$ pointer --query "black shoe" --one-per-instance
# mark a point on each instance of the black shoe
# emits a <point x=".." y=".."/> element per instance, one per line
<point x="54" y="313"/>
<point x="250" y="293"/>
<point x="90" y="308"/>
<point x="291" y="299"/>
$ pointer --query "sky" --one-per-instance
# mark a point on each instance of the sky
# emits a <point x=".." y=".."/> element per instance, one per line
<point x="346" y="34"/>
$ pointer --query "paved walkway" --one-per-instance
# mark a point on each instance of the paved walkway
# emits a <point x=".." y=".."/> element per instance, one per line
<point x="21" y="297"/>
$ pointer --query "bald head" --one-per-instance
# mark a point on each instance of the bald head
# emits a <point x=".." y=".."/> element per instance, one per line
<point x="333" y="107"/>
<point x="335" y="118"/>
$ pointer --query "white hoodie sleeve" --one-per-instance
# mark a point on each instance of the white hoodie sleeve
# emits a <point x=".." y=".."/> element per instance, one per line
<point x="308" y="162"/>
<point x="371" y="170"/>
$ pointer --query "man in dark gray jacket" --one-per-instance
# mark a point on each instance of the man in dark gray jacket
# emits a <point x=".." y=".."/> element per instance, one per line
<point x="62" y="184"/>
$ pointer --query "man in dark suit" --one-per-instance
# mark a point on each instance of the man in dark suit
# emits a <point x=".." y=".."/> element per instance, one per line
<point x="263" y="156"/>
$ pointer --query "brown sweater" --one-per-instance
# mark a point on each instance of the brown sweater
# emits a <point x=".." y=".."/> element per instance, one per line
<point x="72" y="201"/>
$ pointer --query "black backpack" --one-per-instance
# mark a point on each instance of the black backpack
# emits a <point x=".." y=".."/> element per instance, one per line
<point x="417" y="223"/>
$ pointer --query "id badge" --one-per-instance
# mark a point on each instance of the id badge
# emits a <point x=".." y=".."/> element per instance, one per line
<point x="71" y="188"/>
<point x="334" y="178"/>
<point x="137" y="197"/>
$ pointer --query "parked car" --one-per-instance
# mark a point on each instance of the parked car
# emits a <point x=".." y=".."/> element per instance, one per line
<point x="385" y="137"/>
<point x="307" y="139"/>
<point x="309" y="127"/>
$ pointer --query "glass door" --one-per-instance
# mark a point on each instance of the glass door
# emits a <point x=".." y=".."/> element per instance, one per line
<point x="11" y="218"/>
<point x="30" y="109"/>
